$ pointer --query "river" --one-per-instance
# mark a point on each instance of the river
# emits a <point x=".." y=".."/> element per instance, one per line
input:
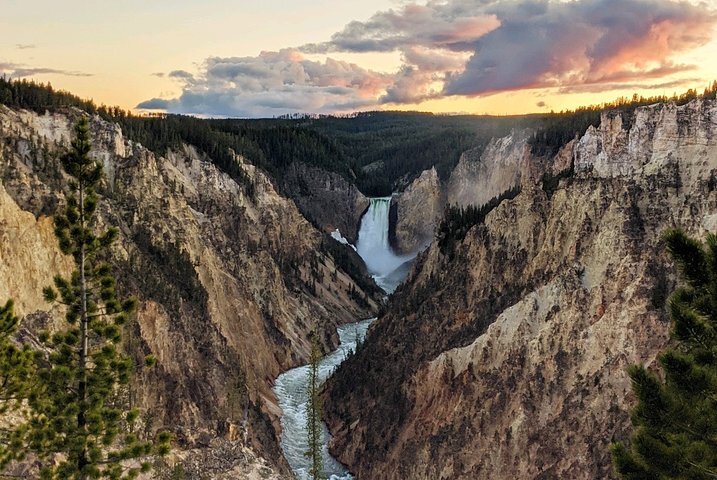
<point x="388" y="269"/>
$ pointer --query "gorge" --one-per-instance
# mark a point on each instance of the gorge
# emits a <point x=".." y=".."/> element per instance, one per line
<point x="505" y="354"/>
<point x="498" y="354"/>
<point x="388" y="270"/>
<point x="229" y="281"/>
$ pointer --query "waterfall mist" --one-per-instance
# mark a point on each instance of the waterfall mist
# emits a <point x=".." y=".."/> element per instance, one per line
<point x="387" y="268"/>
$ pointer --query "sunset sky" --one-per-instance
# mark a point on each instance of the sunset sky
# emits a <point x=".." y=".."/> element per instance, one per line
<point x="270" y="57"/>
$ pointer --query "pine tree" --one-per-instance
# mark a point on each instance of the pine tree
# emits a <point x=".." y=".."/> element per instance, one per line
<point x="313" y="412"/>
<point x="675" y="419"/>
<point x="75" y="411"/>
<point x="16" y="373"/>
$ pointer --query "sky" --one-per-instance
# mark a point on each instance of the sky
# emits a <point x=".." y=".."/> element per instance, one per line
<point x="264" y="58"/>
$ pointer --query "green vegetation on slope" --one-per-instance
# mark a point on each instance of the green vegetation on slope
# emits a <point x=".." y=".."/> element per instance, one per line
<point x="77" y="424"/>
<point x="391" y="148"/>
<point x="458" y="220"/>
<point x="675" y="418"/>
<point x="379" y="152"/>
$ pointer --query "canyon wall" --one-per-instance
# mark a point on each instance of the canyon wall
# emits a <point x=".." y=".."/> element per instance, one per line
<point x="416" y="212"/>
<point x="505" y="357"/>
<point x="325" y="198"/>
<point x="486" y="173"/>
<point x="229" y="274"/>
<point x="480" y="175"/>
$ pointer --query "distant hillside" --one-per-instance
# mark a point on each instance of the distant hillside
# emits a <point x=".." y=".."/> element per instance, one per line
<point x="379" y="152"/>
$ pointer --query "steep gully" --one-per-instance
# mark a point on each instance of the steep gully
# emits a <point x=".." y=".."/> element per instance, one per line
<point x="388" y="270"/>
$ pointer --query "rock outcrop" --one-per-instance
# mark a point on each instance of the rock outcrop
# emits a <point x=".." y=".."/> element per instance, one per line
<point x="506" y="357"/>
<point x="325" y="198"/>
<point x="229" y="274"/>
<point x="483" y="174"/>
<point x="415" y="213"/>
<point x="480" y="175"/>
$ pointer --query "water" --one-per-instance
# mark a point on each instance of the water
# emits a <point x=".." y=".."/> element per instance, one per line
<point x="291" y="390"/>
<point x="387" y="268"/>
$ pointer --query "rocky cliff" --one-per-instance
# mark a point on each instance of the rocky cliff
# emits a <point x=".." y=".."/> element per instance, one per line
<point x="506" y="357"/>
<point x="326" y="198"/>
<point x="481" y="174"/>
<point x="416" y="212"/>
<point x="230" y="276"/>
<point x="486" y="173"/>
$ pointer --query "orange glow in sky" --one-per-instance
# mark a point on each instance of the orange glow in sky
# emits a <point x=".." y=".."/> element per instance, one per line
<point x="123" y="53"/>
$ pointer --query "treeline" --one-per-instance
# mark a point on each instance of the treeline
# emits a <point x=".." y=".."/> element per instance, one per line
<point x="458" y="220"/>
<point x="158" y="133"/>
<point x="279" y="143"/>
<point x="380" y="152"/>
<point x="39" y="97"/>
<point x="161" y="134"/>
<point x="389" y="149"/>
<point x="269" y="144"/>
<point x="557" y="129"/>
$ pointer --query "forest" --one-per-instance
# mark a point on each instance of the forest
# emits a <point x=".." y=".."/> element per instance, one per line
<point x="379" y="151"/>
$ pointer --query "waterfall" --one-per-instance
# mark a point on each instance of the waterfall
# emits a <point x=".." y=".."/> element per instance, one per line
<point x="387" y="268"/>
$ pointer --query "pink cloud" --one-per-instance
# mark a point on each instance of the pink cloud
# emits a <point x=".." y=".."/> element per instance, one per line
<point x="461" y="48"/>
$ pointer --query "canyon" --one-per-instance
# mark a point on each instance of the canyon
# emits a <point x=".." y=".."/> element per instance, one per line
<point x="500" y="355"/>
<point x="230" y="280"/>
<point x="505" y="355"/>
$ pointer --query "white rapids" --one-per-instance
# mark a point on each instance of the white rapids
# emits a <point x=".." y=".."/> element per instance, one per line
<point x="290" y="389"/>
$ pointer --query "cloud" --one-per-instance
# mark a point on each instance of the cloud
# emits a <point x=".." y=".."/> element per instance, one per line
<point x="541" y="104"/>
<point x="15" y="70"/>
<point x="25" y="46"/>
<point x="411" y="85"/>
<point x="273" y="83"/>
<point x="155" y="104"/>
<point x="478" y="47"/>
<point x="582" y="43"/>
<point x="460" y="48"/>
<point x="180" y="74"/>
<point x="158" y="74"/>
<point x="607" y="87"/>
<point x="434" y="25"/>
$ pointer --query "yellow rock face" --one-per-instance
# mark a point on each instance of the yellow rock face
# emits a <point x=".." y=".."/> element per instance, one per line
<point x="513" y="364"/>
<point x="229" y="284"/>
